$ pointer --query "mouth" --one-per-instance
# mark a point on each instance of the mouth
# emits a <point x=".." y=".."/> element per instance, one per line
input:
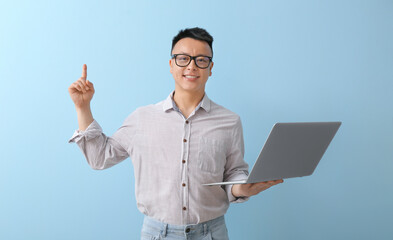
<point x="191" y="77"/>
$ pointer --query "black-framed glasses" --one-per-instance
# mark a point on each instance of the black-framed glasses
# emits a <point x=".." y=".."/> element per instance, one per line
<point x="182" y="60"/>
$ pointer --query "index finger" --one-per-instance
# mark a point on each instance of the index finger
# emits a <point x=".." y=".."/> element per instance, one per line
<point x="84" y="71"/>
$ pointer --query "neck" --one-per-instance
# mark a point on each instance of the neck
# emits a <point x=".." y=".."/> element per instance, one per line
<point x="187" y="101"/>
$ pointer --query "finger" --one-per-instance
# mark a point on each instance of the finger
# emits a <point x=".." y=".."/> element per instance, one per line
<point x="257" y="185"/>
<point x="81" y="84"/>
<point x="263" y="183"/>
<point x="84" y="71"/>
<point x="85" y="84"/>
<point x="82" y="81"/>
<point x="89" y="85"/>
<point x="261" y="186"/>
<point x="72" y="88"/>
<point x="272" y="183"/>
<point x="278" y="181"/>
<point x="76" y="86"/>
<point x="275" y="182"/>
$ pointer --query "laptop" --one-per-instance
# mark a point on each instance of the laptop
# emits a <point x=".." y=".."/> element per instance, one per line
<point x="291" y="150"/>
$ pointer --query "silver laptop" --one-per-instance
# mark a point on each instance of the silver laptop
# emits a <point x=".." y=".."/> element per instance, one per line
<point x="291" y="150"/>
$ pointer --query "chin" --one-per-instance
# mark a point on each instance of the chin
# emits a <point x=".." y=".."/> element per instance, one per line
<point x="191" y="88"/>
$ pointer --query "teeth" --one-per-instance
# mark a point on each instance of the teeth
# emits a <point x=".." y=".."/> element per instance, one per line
<point x="190" y="76"/>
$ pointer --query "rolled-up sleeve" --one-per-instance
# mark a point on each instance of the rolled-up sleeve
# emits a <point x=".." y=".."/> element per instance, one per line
<point x="101" y="151"/>
<point x="236" y="168"/>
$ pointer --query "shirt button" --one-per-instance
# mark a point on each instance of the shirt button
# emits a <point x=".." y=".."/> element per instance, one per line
<point x="188" y="230"/>
<point x="183" y="184"/>
<point x="187" y="122"/>
<point x="184" y="161"/>
<point x="184" y="140"/>
<point x="184" y="208"/>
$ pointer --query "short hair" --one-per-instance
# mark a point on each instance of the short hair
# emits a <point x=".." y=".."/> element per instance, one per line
<point x="195" y="33"/>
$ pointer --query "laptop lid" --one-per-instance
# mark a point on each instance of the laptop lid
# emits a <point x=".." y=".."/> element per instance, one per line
<point x="291" y="150"/>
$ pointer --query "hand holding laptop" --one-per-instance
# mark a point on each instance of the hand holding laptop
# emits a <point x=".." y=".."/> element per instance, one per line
<point x="251" y="189"/>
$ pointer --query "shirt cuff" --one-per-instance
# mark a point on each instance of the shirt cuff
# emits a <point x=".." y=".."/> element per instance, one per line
<point x="92" y="131"/>
<point x="240" y="175"/>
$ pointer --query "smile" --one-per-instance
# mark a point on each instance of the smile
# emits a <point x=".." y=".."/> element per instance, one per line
<point x="190" y="76"/>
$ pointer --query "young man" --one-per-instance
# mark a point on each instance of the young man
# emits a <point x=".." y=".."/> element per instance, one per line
<point x="175" y="145"/>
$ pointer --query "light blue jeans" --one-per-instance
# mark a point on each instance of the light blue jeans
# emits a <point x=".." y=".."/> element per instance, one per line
<point x="211" y="230"/>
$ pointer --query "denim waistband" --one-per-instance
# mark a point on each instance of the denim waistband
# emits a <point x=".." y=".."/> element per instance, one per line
<point x="164" y="228"/>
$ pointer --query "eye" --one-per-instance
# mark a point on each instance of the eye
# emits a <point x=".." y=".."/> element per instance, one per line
<point x="203" y="59"/>
<point x="182" y="58"/>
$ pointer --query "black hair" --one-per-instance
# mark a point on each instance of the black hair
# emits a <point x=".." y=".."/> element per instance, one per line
<point x="195" y="33"/>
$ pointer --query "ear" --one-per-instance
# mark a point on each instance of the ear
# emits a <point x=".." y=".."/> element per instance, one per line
<point x="211" y="66"/>
<point x="170" y="65"/>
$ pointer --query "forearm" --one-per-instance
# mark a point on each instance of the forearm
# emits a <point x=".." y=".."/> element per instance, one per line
<point x="100" y="151"/>
<point x="85" y="117"/>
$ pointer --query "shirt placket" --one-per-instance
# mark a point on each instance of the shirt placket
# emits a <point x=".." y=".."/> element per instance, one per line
<point x="184" y="175"/>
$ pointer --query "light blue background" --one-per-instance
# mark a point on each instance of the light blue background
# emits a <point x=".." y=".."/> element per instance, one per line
<point x="274" y="61"/>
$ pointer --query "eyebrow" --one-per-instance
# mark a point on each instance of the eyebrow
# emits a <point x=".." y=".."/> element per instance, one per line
<point x="207" y="55"/>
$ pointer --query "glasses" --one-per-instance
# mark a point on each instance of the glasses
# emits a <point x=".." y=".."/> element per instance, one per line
<point x="182" y="60"/>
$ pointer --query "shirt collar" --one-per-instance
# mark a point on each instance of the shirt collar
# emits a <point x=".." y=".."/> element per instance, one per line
<point x="169" y="103"/>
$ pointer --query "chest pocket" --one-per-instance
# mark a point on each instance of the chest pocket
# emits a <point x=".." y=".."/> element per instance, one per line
<point x="211" y="156"/>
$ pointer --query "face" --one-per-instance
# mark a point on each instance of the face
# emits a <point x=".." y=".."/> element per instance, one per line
<point x="190" y="78"/>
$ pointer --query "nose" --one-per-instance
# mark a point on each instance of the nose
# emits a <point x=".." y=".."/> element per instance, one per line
<point x="192" y="66"/>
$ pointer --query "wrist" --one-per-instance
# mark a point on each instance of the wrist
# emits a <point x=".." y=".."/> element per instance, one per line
<point x="85" y="117"/>
<point x="236" y="191"/>
<point x="83" y="108"/>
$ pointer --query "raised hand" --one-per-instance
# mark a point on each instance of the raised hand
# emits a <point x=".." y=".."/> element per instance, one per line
<point x="82" y="90"/>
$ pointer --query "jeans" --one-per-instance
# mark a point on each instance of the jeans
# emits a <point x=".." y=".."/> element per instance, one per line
<point x="214" y="229"/>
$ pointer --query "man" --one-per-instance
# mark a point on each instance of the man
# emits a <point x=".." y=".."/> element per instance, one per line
<point x="175" y="145"/>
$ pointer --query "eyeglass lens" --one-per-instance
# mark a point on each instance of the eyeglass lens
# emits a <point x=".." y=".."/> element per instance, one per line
<point x="184" y="60"/>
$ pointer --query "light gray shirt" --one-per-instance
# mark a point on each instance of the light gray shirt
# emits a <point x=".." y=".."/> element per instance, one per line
<point x="173" y="156"/>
